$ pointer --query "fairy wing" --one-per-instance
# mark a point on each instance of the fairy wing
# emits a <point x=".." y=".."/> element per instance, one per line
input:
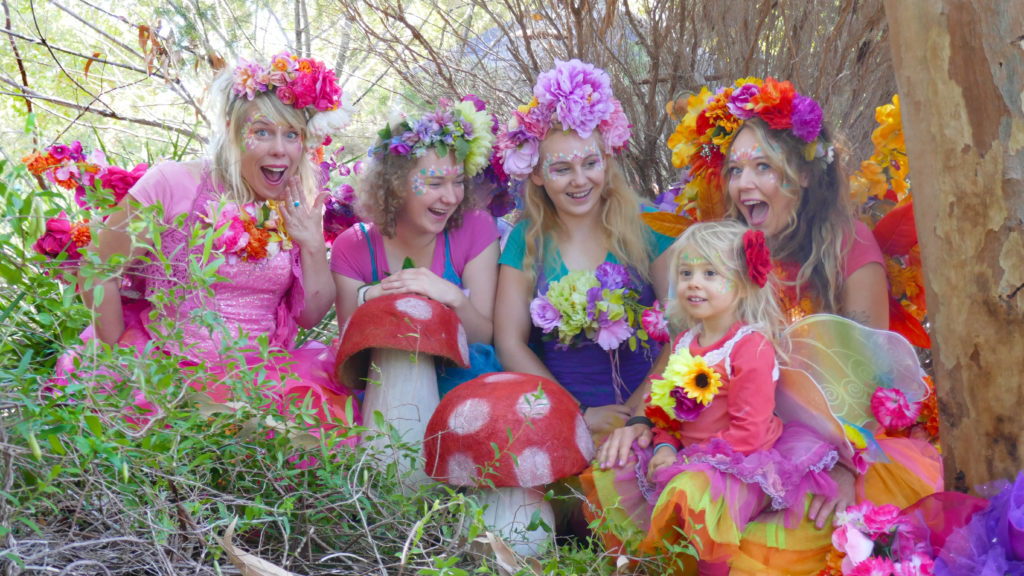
<point x="833" y="369"/>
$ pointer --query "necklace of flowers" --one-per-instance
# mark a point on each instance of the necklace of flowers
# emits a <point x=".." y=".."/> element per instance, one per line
<point x="685" y="389"/>
<point x="602" y="305"/>
<point x="248" y="231"/>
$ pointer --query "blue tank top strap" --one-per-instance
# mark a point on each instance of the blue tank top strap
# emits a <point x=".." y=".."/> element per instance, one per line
<point x="449" y="267"/>
<point x="373" y="260"/>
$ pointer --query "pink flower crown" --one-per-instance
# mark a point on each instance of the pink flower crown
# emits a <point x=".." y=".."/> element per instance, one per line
<point x="712" y="120"/>
<point x="574" y="94"/>
<point x="298" y="82"/>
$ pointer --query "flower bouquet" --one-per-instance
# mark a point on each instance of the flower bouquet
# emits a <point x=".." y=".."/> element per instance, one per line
<point x="602" y="305"/>
<point x="685" y="389"/>
<point x="877" y="540"/>
<point x="250" y="231"/>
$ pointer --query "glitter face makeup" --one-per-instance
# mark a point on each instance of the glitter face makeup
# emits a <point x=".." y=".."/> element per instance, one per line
<point x="271" y="154"/>
<point x="436" y="189"/>
<point x="754" y="185"/>
<point x="703" y="292"/>
<point x="424" y="175"/>
<point x="559" y="165"/>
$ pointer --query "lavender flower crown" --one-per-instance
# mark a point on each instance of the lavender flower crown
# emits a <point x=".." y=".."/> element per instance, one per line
<point x="465" y="129"/>
<point x="575" y="94"/>
<point x="303" y="83"/>
<point x="712" y="120"/>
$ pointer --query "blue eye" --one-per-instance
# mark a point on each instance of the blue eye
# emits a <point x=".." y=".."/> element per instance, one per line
<point x="293" y="135"/>
<point x="261" y="132"/>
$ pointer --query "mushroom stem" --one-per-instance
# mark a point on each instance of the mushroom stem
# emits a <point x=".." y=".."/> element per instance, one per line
<point x="510" y="510"/>
<point x="403" y="388"/>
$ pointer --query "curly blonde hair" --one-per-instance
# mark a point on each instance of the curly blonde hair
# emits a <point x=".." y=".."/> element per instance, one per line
<point x="382" y="189"/>
<point x="625" y="232"/>
<point x="813" y="236"/>
<point x="721" y="244"/>
<point x="228" y="114"/>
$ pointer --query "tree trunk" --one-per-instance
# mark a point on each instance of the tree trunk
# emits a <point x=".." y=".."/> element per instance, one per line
<point x="960" y="69"/>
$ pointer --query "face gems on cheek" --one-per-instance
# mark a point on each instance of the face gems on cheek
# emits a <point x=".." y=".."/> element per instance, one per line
<point x="726" y="286"/>
<point x="550" y="159"/>
<point x="419" y="185"/>
<point x="249" y="129"/>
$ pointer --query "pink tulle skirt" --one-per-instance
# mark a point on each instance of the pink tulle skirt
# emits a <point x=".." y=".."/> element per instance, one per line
<point x="288" y="378"/>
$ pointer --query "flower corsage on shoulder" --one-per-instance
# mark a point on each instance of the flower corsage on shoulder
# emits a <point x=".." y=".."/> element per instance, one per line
<point x="602" y="305"/>
<point x="684" y="390"/>
<point x="248" y="232"/>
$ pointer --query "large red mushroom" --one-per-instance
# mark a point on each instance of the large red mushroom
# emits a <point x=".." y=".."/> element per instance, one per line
<point x="388" y="346"/>
<point x="538" y="432"/>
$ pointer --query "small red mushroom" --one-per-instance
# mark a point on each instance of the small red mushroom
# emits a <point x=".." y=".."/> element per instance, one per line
<point x="390" y="342"/>
<point x="540" y="436"/>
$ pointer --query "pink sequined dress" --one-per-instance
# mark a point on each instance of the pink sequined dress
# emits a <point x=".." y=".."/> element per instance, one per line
<point x="257" y="298"/>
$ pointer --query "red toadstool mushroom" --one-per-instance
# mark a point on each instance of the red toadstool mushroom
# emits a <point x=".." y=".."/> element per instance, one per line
<point x="540" y="436"/>
<point x="401" y="334"/>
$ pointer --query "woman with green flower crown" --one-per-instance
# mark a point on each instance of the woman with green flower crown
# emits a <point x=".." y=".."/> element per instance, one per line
<point x="257" y="190"/>
<point x="577" y="271"/>
<point x="424" y="236"/>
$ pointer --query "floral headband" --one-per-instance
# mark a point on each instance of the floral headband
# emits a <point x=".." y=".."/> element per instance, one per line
<point x="576" y="95"/>
<point x="303" y="83"/>
<point x="759" y="259"/>
<point x="712" y="120"/>
<point x="464" y="128"/>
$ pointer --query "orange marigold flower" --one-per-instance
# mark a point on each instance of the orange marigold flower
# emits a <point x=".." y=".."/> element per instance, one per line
<point x="258" y="240"/>
<point x="39" y="163"/>
<point x="80" y="233"/>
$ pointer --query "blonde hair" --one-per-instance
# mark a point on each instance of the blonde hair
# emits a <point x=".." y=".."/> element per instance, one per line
<point x="382" y="189"/>
<point x="814" y="233"/>
<point x="228" y="114"/>
<point x="721" y="244"/>
<point x="625" y="233"/>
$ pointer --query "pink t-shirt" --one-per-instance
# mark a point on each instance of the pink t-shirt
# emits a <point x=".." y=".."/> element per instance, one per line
<point x="864" y="251"/>
<point x="350" y="253"/>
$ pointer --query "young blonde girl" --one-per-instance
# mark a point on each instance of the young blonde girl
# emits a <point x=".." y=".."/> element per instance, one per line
<point x="580" y="214"/>
<point x="721" y="456"/>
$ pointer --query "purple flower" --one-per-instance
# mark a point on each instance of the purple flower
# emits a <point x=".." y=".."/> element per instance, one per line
<point x="580" y="94"/>
<point x="686" y="408"/>
<point x="806" y="118"/>
<point x="544" y="314"/>
<point x="612" y="334"/>
<point x="520" y="160"/>
<point x="739" y="99"/>
<point x="593" y="297"/>
<point x="398" y="148"/>
<point x="612" y="276"/>
<point x="479" y="104"/>
<point x="426" y="128"/>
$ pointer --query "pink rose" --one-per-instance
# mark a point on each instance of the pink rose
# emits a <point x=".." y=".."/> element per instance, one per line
<point x="56" y="238"/>
<point x="615" y="129"/>
<point x="119" y="181"/>
<point x="882" y="519"/>
<point x="234" y="238"/>
<point x="654" y="323"/>
<point x="519" y="161"/>
<point x="286" y="95"/>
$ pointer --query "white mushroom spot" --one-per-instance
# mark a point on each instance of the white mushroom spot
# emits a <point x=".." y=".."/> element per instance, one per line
<point x="461" y="469"/>
<point x="533" y="405"/>
<point x="584" y="441"/>
<point x="463" y="345"/>
<point x="500" y="377"/>
<point x="533" y="468"/>
<point x="415" y="308"/>
<point x="469" y="416"/>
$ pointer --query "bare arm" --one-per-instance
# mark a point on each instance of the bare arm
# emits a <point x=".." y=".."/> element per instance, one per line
<point x="346" y="292"/>
<point x="865" y="297"/>
<point x="512" y="323"/>
<point x="112" y="239"/>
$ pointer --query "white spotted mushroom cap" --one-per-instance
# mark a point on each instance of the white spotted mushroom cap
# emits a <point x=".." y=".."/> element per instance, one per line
<point x="524" y="415"/>
<point x="400" y="322"/>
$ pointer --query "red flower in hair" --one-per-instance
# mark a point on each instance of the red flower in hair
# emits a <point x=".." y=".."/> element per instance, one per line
<point x="759" y="260"/>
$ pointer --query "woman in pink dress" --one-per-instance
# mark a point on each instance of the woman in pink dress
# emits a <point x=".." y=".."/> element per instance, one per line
<point x="254" y="196"/>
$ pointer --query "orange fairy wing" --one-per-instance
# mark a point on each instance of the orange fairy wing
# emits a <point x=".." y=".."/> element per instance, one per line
<point x="666" y="223"/>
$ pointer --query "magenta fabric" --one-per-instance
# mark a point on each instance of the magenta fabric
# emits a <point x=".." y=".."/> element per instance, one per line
<point x="350" y="256"/>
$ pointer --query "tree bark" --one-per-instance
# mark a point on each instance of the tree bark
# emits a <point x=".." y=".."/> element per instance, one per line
<point x="960" y="69"/>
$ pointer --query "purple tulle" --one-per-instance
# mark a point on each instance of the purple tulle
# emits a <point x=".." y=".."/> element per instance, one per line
<point x="797" y="465"/>
<point x="992" y="543"/>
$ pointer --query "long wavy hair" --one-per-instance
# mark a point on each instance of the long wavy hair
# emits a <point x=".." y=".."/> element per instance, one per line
<point x="721" y="243"/>
<point x="625" y="232"/>
<point x="814" y="233"/>
<point x="382" y="189"/>
<point x="229" y="113"/>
